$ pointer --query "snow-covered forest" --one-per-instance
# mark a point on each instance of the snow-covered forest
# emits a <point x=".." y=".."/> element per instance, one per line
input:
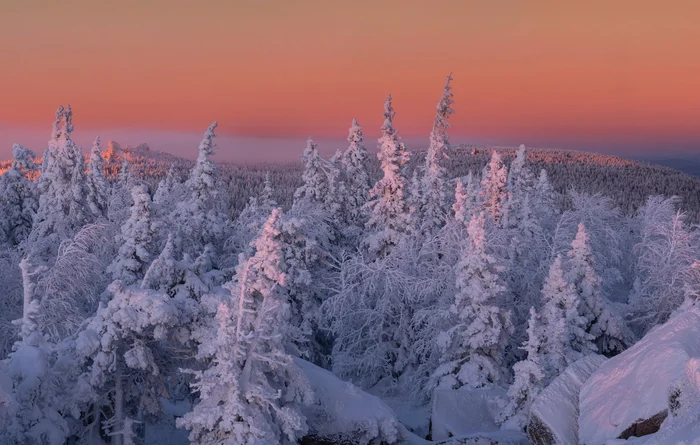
<point x="148" y="299"/>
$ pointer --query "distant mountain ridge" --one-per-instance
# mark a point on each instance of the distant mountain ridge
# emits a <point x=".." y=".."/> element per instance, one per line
<point x="628" y="182"/>
<point x="686" y="165"/>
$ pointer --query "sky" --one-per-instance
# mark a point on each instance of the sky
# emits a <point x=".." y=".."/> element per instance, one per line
<point x="615" y="76"/>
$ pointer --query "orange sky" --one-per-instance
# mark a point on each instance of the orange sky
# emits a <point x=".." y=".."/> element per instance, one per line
<point x="542" y="72"/>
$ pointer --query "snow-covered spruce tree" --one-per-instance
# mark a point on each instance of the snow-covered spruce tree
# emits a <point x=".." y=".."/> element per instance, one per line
<point x="434" y="205"/>
<point x="335" y="200"/>
<point x="247" y="226"/>
<point x="199" y="220"/>
<point x="182" y="278"/>
<point x="120" y="198"/>
<point x="18" y="200"/>
<point x="465" y="199"/>
<point x="97" y="186"/>
<point x="527" y="249"/>
<point x="387" y="207"/>
<point x="322" y="187"/>
<point x="604" y="229"/>
<point x="474" y="348"/>
<point x="39" y="397"/>
<point x="135" y="240"/>
<point x="252" y="391"/>
<point x="164" y="274"/>
<point x="519" y="185"/>
<point x="126" y="350"/>
<point x="414" y="201"/>
<point x="306" y="244"/>
<point x="609" y="332"/>
<point x="529" y="378"/>
<point x="166" y="195"/>
<point x="355" y="162"/>
<point x="11" y="304"/>
<point x="62" y="207"/>
<point x="315" y="185"/>
<point x="265" y="200"/>
<point x="493" y="192"/>
<point x="565" y="339"/>
<point x="544" y="202"/>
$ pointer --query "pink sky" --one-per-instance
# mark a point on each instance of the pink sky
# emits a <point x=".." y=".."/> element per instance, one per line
<point x="616" y="76"/>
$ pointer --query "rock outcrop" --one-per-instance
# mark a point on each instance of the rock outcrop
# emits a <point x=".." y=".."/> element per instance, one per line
<point x="630" y="395"/>
<point x="554" y="413"/>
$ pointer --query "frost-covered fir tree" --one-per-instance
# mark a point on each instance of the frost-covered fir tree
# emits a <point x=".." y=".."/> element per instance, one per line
<point x="265" y="200"/>
<point x="127" y="350"/>
<point x="493" y="193"/>
<point x="120" y="197"/>
<point x="519" y="185"/>
<point x="475" y="346"/>
<point x="164" y="274"/>
<point x="527" y="250"/>
<point x="387" y="207"/>
<point x="306" y="249"/>
<point x="315" y="186"/>
<point x="607" y="328"/>
<point x="465" y="199"/>
<point x="335" y="200"/>
<point x="529" y="378"/>
<point x="252" y="217"/>
<point x="544" y="202"/>
<point x="39" y="395"/>
<point x="252" y="391"/>
<point x="97" y="185"/>
<point x="414" y="201"/>
<point x="62" y="208"/>
<point x="166" y="186"/>
<point x="18" y="200"/>
<point x="135" y="241"/>
<point x="434" y="205"/>
<point x="355" y="162"/>
<point x="563" y="327"/>
<point x="199" y="219"/>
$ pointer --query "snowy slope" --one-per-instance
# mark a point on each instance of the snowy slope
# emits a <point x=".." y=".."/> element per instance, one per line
<point x="635" y="385"/>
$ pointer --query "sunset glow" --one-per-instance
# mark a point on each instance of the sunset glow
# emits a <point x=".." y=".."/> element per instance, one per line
<point x="615" y="75"/>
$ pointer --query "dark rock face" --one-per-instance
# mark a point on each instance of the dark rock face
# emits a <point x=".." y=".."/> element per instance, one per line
<point x="643" y="427"/>
<point x="538" y="433"/>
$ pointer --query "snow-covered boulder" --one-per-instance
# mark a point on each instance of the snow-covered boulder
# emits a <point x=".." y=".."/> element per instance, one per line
<point x="344" y="414"/>
<point x="460" y="412"/>
<point x="629" y="394"/>
<point x="554" y="413"/>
